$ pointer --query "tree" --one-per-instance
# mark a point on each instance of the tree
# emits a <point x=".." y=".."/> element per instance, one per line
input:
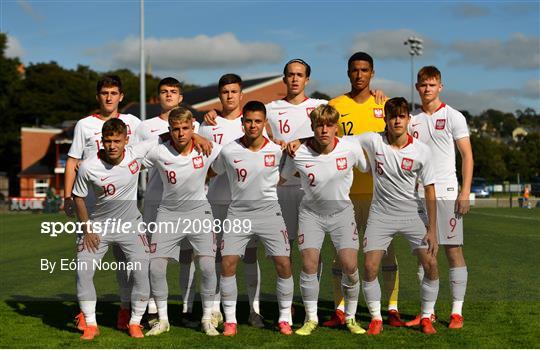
<point x="320" y="95"/>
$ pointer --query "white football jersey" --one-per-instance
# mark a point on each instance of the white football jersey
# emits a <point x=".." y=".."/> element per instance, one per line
<point x="224" y="132"/>
<point x="115" y="187"/>
<point x="439" y="131"/>
<point x="253" y="176"/>
<point x="87" y="134"/>
<point x="395" y="173"/>
<point x="183" y="177"/>
<point x="150" y="129"/>
<point x="326" y="178"/>
<point x="290" y="122"/>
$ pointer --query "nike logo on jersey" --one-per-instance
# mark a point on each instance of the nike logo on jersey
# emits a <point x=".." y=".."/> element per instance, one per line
<point x="168" y="163"/>
<point x="154" y="130"/>
<point x="237" y="160"/>
<point x="450" y="237"/>
<point x="104" y="178"/>
<point x="281" y="113"/>
<point x="345" y="114"/>
<point x="416" y="124"/>
<point x="214" y="129"/>
<point x="309" y="165"/>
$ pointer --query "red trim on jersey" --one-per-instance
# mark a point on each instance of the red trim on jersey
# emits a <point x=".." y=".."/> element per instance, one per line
<point x="409" y="139"/>
<point x="97" y="115"/>
<point x="438" y="108"/>
<point x="310" y="144"/>
<point x="305" y="99"/>
<point x="243" y="142"/>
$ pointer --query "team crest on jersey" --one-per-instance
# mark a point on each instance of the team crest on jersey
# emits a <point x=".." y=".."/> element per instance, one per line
<point x="133" y="167"/>
<point x="378" y="113"/>
<point x="197" y="162"/>
<point x="440" y="124"/>
<point x="309" y="110"/>
<point x="269" y="160"/>
<point x="406" y="164"/>
<point x="341" y="163"/>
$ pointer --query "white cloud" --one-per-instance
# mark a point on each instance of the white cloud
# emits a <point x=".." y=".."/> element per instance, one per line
<point x="199" y="52"/>
<point x="388" y="44"/>
<point x="518" y="52"/>
<point x="29" y="10"/>
<point x="14" y="47"/>
<point x="469" y="10"/>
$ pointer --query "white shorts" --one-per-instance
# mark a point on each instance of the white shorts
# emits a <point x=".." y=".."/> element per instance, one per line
<point x="134" y="245"/>
<point x="381" y="231"/>
<point x="289" y="198"/>
<point x="220" y="213"/>
<point x="449" y="225"/>
<point x="195" y="227"/>
<point x="341" y="227"/>
<point x="268" y="227"/>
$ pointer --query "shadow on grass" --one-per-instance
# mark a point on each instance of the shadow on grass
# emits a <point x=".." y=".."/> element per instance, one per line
<point x="59" y="311"/>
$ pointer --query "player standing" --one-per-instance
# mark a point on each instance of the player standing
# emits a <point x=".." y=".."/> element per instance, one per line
<point x="251" y="164"/>
<point x="170" y="97"/>
<point x="224" y="129"/>
<point x="112" y="175"/>
<point x="440" y="126"/>
<point x="325" y="164"/>
<point x="87" y="140"/>
<point x="397" y="161"/>
<point x="362" y="112"/>
<point x="183" y="172"/>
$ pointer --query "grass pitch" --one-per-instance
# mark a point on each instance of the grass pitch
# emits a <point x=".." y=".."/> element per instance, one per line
<point x="501" y="309"/>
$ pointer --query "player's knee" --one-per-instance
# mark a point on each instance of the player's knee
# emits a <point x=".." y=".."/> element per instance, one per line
<point x="454" y="255"/>
<point x="371" y="270"/>
<point x="283" y="267"/>
<point x="310" y="266"/>
<point x="207" y="265"/>
<point x="158" y="269"/>
<point x="228" y="266"/>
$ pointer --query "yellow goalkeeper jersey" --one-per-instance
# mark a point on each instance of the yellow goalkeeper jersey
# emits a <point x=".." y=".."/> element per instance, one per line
<point x="357" y="118"/>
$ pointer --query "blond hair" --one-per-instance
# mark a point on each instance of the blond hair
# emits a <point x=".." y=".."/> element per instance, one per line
<point x="180" y="114"/>
<point x="324" y="115"/>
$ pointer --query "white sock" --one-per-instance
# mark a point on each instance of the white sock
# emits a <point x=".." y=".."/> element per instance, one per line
<point x="252" y="274"/>
<point x="229" y="295"/>
<point x="350" y="287"/>
<point x="429" y="292"/>
<point x="208" y="285"/>
<point x="309" y="287"/>
<point x="217" y="296"/>
<point x="187" y="285"/>
<point x="162" y="310"/>
<point x="420" y="273"/>
<point x="88" y="307"/>
<point x="458" y="286"/>
<point x="372" y="295"/>
<point x="152" y="308"/>
<point x="284" y="292"/>
<point x="137" y="311"/>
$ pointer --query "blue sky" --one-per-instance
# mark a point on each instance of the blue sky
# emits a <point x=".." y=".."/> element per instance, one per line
<point x="488" y="51"/>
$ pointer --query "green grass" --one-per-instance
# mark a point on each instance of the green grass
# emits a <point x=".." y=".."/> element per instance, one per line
<point x="501" y="310"/>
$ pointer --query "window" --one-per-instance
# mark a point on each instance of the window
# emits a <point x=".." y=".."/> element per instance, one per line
<point x="40" y="187"/>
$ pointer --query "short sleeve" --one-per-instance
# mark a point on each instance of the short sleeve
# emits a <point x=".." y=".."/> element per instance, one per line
<point x="459" y="126"/>
<point x="427" y="173"/>
<point x="77" y="147"/>
<point x="218" y="166"/>
<point x="80" y="188"/>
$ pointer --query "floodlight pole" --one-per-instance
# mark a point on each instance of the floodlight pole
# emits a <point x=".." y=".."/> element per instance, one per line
<point x="142" y="68"/>
<point x="415" y="49"/>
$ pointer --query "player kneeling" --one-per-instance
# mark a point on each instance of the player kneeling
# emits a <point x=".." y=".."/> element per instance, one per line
<point x="325" y="165"/>
<point x="252" y="167"/>
<point x="112" y="175"/>
<point x="397" y="160"/>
